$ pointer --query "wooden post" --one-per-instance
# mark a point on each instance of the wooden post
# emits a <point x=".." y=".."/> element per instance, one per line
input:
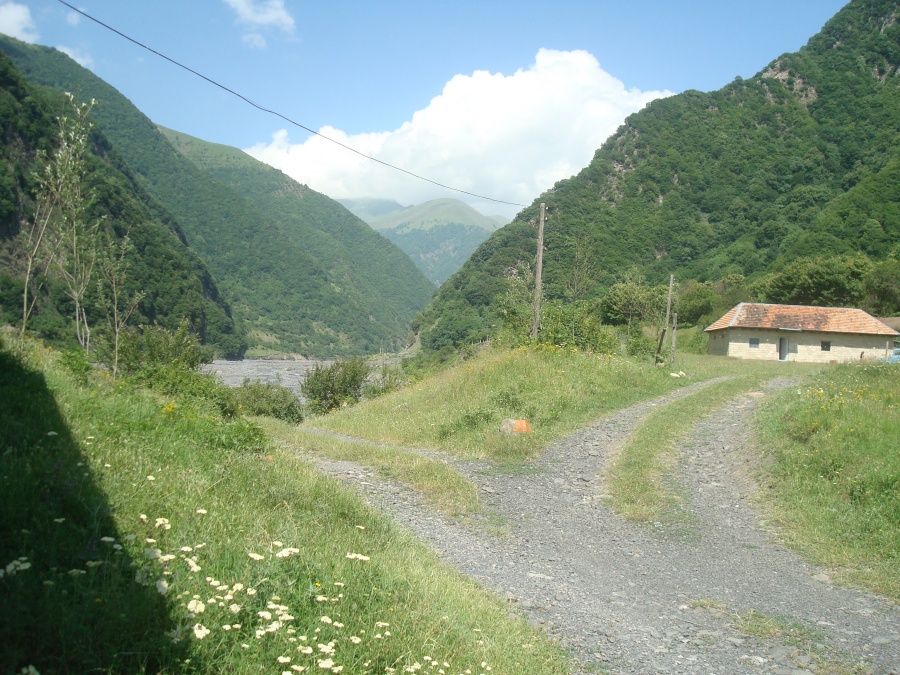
<point x="662" y="335"/>
<point x="537" y="275"/>
<point x="674" y="339"/>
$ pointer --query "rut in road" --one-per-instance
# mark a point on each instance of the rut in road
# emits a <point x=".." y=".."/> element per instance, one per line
<point x="658" y="598"/>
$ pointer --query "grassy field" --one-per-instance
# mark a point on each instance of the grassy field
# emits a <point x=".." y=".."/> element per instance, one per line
<point x="833" y="472"/>
<point x="140" y="534"/>
<point x="459" y="410"/>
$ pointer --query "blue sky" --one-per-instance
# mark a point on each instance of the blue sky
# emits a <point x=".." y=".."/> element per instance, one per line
<point x="497" y="98"/>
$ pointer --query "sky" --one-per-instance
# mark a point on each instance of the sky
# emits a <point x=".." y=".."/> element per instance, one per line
<point x="497" y="98"/>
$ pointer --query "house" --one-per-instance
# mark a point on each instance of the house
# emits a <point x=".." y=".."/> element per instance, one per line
<point x="799" y="333"/>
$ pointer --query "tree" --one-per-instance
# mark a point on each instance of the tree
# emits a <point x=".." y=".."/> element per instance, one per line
<point x="77" y="232"/>
<point x="113" y="265"/>
<point x="819" y="281"/>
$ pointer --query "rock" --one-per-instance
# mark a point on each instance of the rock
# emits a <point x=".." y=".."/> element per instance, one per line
<point x="511" y="426"/>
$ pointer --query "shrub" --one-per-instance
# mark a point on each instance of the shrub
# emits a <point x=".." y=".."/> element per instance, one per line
<point x="330" y="387"/>
<point x="144" y="350"/>
<point x="267" y="398"/>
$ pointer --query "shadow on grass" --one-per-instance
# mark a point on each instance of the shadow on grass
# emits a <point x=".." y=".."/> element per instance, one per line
<point x="69" y="602"/>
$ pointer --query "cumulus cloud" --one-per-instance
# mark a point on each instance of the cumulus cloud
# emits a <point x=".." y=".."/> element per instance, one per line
<point x="263" y="13"/>
<point x="82" y="59"/>
<point x="509" y="137"/>
<point x="16" y="21"/>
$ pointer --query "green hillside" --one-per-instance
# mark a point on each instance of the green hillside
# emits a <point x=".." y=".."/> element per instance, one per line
<point x="439" y="235"/>
<point x="370" y="208"/>
<point x="285" y="297"/>
<point x="799" y="160"/>
<point x="175" y="282"/>
<point x="371" y="276"/>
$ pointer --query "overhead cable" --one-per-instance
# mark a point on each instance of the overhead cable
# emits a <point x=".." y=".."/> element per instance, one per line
<point x="278" y="114"/>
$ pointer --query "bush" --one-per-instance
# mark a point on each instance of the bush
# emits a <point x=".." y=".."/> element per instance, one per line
<point x="144" y="350"/>
<point x="330" y="387"/>
<point x="178" y="381"/>
<point x="267" y="398"/>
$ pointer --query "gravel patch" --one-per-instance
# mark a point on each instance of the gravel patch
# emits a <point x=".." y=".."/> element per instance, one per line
<point x="660" y="598"/>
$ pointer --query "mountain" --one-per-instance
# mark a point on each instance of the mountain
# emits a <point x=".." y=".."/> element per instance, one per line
<point x="176" y="283"/>
<point x="800" y="159"/>
<point x="439" y="235"/>
<point x="370" y="208"/>
<point x="301" y="273"/>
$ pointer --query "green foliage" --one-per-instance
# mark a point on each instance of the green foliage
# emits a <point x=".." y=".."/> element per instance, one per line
<point x="335" y="386"/>
<point x="820" y="281"/>
<point x="798" y="161"/>
<point x="175" y="282"/>
<point x="148" y="349"/>
<point x="695" y="302"/>
<point x="270" y="399"/>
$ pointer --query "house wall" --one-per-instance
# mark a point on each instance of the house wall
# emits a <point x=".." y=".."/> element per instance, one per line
<point x="803" y="346"/>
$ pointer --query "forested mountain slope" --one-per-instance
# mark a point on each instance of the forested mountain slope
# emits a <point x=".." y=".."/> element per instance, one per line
<point x="801" y="159"/>
<point x="439" y="235"/>
<point x="372" y="276"/>
<point x="175" y="282"/>
<point x="284" y="296"/>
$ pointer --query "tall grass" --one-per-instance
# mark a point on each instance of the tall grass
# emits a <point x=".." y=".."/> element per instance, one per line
<point x="459" y="410"/>
<point x="835" y="471"/>
<point x="138" y="534"/>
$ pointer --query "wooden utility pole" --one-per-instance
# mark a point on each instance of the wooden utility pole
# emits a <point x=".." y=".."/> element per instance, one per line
<point x="662" y="335"/>
<point x="537" y="275"/>
<point x="674" y="339"/>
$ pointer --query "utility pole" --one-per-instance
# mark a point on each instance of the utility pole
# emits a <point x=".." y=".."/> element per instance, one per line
<point x="674" y="339"/>
<point x="537" y="276"/>
<point x="662" y="335"/>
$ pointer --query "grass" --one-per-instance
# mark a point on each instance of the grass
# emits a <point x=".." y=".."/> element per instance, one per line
<point x="833" y="472"/>
<point x="639" y="479"/>
<point x="138" y="534"/>
<point x="459" y="410"/>
<point x="438" y="483"/>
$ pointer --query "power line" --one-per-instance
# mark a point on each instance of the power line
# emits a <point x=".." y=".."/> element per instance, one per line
<point x="278" y="114"/>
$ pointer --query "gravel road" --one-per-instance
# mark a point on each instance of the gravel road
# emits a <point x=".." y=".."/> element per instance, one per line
<point x="657" y="598"/>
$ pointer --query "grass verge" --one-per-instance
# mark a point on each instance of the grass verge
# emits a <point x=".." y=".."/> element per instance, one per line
<point x="138" y="534"/>
<point x="438" y="482"/>
<point x="638" y="479"/>
<point x="833" y="472"/>
<point x="459" y="410"/>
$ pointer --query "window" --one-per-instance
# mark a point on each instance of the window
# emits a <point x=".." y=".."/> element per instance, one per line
<point x="754" y="343"/>
<point x="826" y="345"/>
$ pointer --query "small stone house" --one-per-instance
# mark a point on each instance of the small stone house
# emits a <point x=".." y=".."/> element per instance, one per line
<point x="798" y="333"/>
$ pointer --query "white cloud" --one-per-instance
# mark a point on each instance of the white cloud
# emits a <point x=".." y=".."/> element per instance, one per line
<point x="16" y="21"/>
<point x="263" y="13"/>
<point x="85" y="60"/>
<point x="73" y="18"/>
<point x="254" y="41"/>
<point x="509" y="137"/>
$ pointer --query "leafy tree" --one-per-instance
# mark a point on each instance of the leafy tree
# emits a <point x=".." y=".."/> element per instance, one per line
<point x="695" y="302"/>
<point x="819" y="281"/>
<point x="341" y="383"/>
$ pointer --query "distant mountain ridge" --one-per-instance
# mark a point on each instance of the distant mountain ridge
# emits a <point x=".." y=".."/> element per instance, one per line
<point x="439" y="235"/>
<point x="263" y="255"/>
<point x="799" y="160"/>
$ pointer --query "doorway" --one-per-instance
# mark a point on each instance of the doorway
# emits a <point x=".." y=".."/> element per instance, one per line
<point x="782" y="349"/>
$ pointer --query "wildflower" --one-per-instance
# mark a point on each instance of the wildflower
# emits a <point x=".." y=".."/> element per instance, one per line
<point x="107" y="466"/>
<point x="284" y="659"/>
<point x="298" y="669"/>
<point x="196" y="606"/>
<point x="93" y="563"/>
<point x="59" y="520"/>
<point x="130" y="537"/>
<point x="251" y="591"/>
<point x="287" y="552"/>
<point x="264" y="615"/>
<point x="152" y="553"/>
<point x="338" y="624"/>
<point x="325" y="619"/>
<point x="202" y="512"/>
<point x="277" y="543"/>
<point x="163" y="523"/>
<point x="360" y="527"/>
<point x="200" y="631"/>
<point x="143" y="517"/>
<point x="162" y="586"/>
<point x="107" y="540"/>
<point x="226" y="627"/>
<point x="382" y="624"/>
<point x="305" y="650"/>
<point x="77" y="572"/>
<point x="234" y="609"/>
<point x="151" y="478"/>
<point x="321" y="598"/>
<point x="186" y="549"/>
<point x="355" y="640"/>
<point x="358" y="556"/>
<point x="256" y="556"/>
<point x="237" y="587"/>
<point x="326" y="664"/>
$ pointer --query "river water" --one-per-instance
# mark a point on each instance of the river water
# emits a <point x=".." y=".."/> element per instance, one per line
<point x="288" y="373"/>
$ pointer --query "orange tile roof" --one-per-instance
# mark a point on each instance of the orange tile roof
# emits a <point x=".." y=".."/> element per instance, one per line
<point x="801" y="317"/>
